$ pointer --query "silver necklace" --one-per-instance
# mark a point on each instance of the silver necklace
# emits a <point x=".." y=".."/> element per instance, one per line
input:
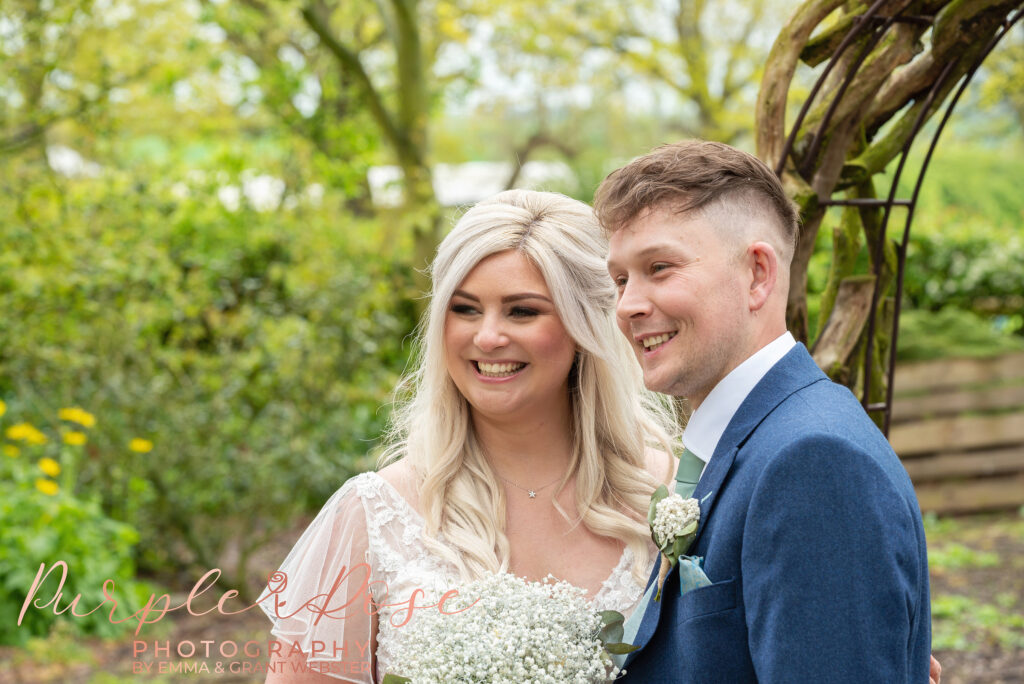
<point x="531" y="492"/>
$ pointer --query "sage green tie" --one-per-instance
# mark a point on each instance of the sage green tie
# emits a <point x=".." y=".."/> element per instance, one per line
<point x="690" y="468"/>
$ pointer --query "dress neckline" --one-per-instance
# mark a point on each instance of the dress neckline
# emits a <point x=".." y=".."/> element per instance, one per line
<point x="625" y="560"/>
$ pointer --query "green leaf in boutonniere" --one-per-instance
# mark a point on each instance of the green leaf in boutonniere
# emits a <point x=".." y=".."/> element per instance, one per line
<point x="395" y="679"/>
<point x="673" y="522"/>
<point x="611" y="633"/>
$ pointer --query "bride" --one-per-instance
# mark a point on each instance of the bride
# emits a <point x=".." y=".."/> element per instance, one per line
<point x="525" y="444"/>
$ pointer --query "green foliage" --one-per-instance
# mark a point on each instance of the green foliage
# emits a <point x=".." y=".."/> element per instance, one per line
<point x="965" y="260"/>
<point x="966" y="249"/>
<point x="44" y="523"/>
<point x="961" y="623"/>
<point x="951" y="332"/>
<point x="254" y="350"/>
<point x="984" y="271"/>
<point x="954" y="556"/>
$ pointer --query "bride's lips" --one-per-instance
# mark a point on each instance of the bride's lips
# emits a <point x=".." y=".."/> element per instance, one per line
<point x="510" y="370"/>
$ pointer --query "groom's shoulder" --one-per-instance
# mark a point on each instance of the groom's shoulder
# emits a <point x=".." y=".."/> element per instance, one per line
<point x="825" y="406"/>
<point x="823" y="423"/>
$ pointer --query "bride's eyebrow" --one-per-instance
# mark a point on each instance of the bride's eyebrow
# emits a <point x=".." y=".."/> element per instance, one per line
<point x="506" y="299"/>
<point x="524" y="295"/>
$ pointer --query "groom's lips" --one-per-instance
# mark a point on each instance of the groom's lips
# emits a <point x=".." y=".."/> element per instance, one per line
<point x="641" y="339"/>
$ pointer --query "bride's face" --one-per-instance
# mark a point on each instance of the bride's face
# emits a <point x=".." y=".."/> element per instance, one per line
<point x="505" y="346"/>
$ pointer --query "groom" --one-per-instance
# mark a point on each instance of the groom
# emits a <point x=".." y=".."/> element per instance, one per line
<point x="810" y="531"/>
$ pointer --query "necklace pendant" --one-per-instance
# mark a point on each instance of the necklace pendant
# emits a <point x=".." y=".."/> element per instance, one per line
<point x="533" y="494"/>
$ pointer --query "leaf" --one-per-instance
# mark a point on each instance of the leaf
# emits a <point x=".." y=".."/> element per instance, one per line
<point x="620" y="648"/>
<point x="612" y="630"/>
<point x="609" y="617"/>
<point x="660" y="493"/>
<point x="395" y="679"/>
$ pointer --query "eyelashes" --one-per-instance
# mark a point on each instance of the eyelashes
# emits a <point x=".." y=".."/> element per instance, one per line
<point x="514" y="312"/>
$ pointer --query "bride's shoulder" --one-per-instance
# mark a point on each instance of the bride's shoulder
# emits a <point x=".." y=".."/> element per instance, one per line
<point x="661" y="464"/>
<point x="403" y="479"/>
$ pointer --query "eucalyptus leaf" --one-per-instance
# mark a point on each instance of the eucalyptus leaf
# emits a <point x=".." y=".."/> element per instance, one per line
<point x="620" y="648"/>
<point x="660" y="493"/>
<point x="395" y="679"/>
<point x="610" y="617"/>
<point x="611" y="633"/>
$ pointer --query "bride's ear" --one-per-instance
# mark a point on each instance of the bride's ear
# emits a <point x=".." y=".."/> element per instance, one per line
<point x="763" y="262"/>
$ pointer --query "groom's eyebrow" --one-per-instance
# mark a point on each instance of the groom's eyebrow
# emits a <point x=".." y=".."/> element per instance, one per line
<point x="646" y="252"/>
<point x="659" y="248"/>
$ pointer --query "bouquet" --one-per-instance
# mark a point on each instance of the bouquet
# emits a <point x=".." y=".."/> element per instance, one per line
<point x="511" y="630"/>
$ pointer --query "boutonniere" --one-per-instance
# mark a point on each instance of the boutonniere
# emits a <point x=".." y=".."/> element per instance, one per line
<point x="673" y="521"/>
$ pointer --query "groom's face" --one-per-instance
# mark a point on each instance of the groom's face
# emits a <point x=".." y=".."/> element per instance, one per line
<point x="682" y="300"/>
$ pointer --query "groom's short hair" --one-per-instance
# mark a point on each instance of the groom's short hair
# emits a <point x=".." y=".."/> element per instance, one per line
<point x="692" y="176"/>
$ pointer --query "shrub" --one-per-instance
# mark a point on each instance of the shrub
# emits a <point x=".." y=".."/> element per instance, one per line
<point x="253" y="350"/>
<point x="42" y="523"/>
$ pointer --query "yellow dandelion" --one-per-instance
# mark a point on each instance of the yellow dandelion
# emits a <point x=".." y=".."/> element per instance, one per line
<point x="48" y="487"/>
<point x="49" y="466"/>
<point x="11" y="450"/>
<point x="17" y="432"/>
<point x="77" y="415"/>
<point x="3" y="407"/>
<point x="74" y="438"/>
<point x="141" y="446"/>
<point x="26" y="433"/>
<point x="36" y="437"/>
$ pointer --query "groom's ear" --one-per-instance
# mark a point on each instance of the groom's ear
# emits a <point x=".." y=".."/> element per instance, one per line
<point x="764" y="273"/>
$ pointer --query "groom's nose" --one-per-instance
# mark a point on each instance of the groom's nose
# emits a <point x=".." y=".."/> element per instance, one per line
<point x="633" y="302"/>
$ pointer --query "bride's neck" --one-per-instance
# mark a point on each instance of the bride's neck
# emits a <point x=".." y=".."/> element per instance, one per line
<point x="532" y="450"/>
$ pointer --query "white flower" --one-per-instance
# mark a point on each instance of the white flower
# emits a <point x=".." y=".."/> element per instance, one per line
<point x="516" y="631"/>
<point x="672" y="515"/>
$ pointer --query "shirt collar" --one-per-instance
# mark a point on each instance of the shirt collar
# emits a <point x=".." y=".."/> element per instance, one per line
<point x="708" y="422"/>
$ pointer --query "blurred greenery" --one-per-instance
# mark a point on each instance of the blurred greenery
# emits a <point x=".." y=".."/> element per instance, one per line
<point x="254" y="354"/>
<point x="976" y="598"/>
<point x="44" y="523"/>
<point x="964" y="277"/>
<point x="191" y="252"/>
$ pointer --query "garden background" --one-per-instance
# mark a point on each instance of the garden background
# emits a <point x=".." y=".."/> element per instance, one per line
<point x="213" y="216"/>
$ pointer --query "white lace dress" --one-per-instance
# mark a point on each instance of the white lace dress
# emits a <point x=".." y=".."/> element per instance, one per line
<point x="367" y="540"/>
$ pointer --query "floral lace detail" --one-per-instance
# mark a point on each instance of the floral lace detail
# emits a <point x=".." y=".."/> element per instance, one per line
<point x="400" y="558"/>
<point x="620" y="591"/>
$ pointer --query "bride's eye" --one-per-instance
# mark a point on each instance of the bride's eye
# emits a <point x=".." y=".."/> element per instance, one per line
<point x="462" y="309"/>
<point x="523" y="312"/>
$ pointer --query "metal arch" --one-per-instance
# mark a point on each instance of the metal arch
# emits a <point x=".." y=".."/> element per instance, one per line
<point x="870" y="21"/>
<point x="902" y="252"/>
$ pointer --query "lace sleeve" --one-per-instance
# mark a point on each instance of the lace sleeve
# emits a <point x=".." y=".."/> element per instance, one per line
<point x="319" y="598"/>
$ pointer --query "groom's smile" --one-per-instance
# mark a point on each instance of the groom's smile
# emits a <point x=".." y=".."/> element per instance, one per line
<point x="653" y="343"/>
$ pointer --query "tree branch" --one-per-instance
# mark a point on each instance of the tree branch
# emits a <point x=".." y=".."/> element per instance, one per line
<point x="351" y="65"/>
<point x="537" y="140"/>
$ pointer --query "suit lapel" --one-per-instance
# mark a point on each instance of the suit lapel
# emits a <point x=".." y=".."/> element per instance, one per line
<point x="793" y="372"/>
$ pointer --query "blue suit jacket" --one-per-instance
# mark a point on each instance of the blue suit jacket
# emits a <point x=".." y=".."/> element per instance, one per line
<point x="812" y="538"/>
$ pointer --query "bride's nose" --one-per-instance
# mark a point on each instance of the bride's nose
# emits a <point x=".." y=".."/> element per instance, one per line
<point x="490" y="335"/>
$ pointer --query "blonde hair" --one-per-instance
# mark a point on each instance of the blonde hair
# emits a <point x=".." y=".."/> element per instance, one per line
<point x="614" y="419"/>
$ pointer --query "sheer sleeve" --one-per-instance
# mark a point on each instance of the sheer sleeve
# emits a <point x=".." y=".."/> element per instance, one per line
<point x="319" y="599"/>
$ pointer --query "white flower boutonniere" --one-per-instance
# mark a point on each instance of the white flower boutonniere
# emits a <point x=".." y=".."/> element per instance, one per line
<point x="673" y="521"/>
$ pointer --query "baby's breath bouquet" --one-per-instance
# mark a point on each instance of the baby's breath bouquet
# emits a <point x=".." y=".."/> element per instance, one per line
<point x="511" y="630"/>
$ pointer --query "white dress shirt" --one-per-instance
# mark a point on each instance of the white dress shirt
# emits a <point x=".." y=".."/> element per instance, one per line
<point x="709" y="421"/>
